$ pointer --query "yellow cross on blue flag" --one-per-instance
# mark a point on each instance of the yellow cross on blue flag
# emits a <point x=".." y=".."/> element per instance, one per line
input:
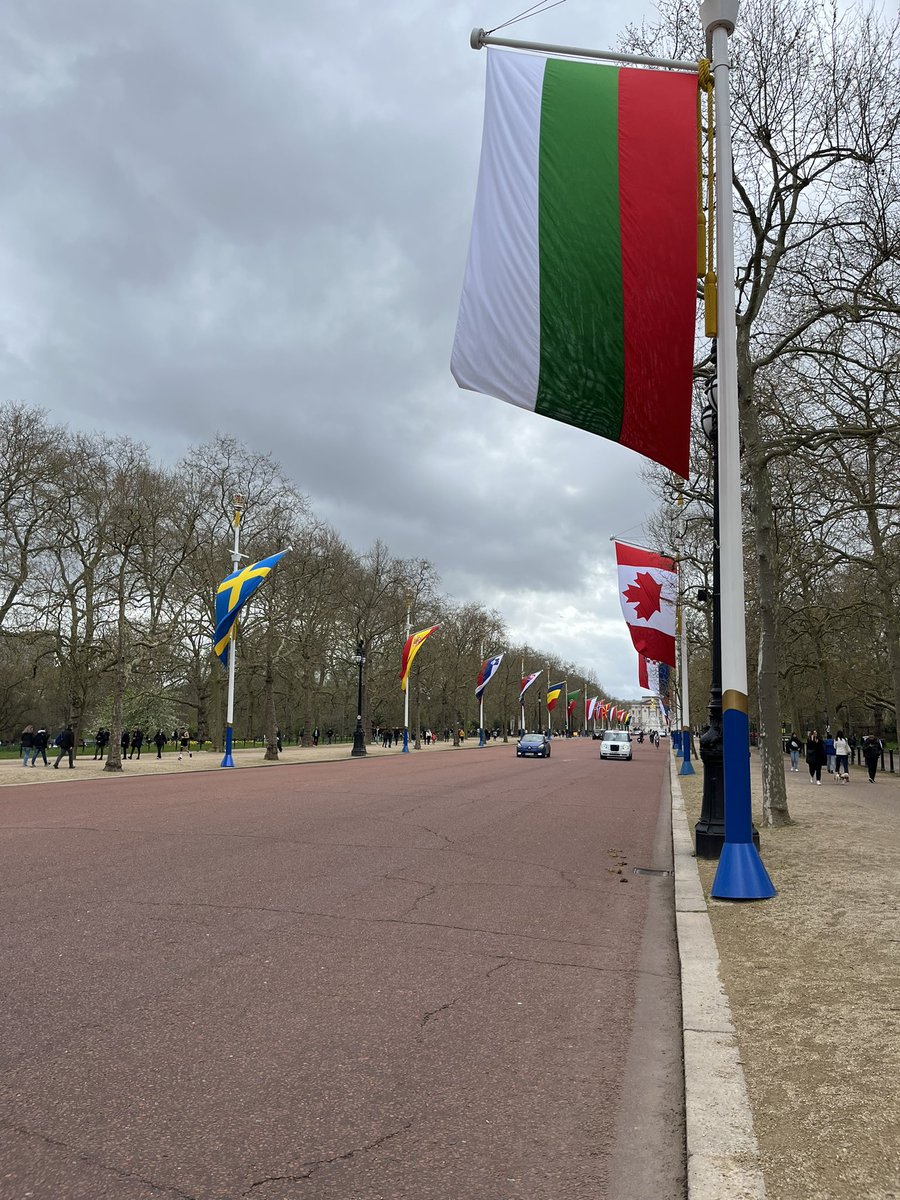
<point x="233" y="593"/>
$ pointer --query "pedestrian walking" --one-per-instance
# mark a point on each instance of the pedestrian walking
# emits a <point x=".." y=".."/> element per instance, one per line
<point x="26" y="744"/>
<point x="126" y="742"/>
<point x="841" y="758"/>
<point x="184" y="745"/>
<point x="65" y="742"/>
<point x="871" y="749"/>
<point x="101" y="741"/>
<point x="159" y="740"/>
<point x="40" y="747"/>
<point x="794" y="748"/>
<point x="829" y="753"/>
<point x="815" y="756"/>
<point x="137" y="740"/>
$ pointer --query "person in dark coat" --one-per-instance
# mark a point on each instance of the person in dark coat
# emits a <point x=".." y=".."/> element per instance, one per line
<point x="125" y="743"/>
<point x="40" y="747"/>
<point x="65" y="740"/>
<point x="795" y="746"/>
<point x="26" y="744"/>
<point x="871" y="749"/>
<point x="159" y="740"/>
<point x="101" y="739"/>
<point x="137" y="740"/>
<point x="815" y="756"/>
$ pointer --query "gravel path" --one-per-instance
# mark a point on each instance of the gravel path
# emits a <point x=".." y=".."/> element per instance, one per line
<point x="813" y="977"/>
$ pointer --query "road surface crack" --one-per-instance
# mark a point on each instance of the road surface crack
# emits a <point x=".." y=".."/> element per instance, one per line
<point x="465" y="992"/>
<point x="98" y="1163"/>
<point x="306" y="1169"/>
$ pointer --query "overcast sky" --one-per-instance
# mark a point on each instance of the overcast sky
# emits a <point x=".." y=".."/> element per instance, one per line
<point x="252" y="216"/>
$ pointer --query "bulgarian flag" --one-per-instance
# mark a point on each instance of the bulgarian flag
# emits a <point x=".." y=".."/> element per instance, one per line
<point x="579" y="294"/>
<point x="410" y="650"/>
<point x="553" y="694"/>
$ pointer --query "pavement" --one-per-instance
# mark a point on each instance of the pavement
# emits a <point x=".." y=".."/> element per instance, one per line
<point x="723" y="1155"/>
<point x="723" y="1160"/>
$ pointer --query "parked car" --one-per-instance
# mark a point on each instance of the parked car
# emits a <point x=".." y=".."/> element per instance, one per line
<point x="533" y="745"/>
<point x="616" y="743"/>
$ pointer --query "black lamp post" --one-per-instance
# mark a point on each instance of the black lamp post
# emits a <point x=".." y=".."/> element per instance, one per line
<point x="359" y="737"/>
<point x="709" y="832"/>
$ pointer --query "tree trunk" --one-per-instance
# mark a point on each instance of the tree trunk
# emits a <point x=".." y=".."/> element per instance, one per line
<point x="883" y="580"/>
<point x="271" y="725"/>
<point x="775" y="806"/>
<point x="114" y="754"/>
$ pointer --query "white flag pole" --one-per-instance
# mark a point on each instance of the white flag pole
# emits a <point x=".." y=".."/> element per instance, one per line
<point x="406" y="689"/>
<point x="740" y="874"/>
<point x="481" y="707"/>
<point x="228" y="760"/>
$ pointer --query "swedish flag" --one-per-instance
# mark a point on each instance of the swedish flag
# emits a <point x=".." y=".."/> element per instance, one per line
<point x="233" y="593"/>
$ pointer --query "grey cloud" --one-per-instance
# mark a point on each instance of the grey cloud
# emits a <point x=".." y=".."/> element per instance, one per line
<point x="254" y="219"/>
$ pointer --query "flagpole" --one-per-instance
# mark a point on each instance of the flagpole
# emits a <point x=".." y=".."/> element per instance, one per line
<point x="228" y="760"/>
<point x="522" y="700"/>
<point x="687" y="767"/>
<point x="740" y="874"/>
<point x="481" y="708"/>
<point x="406" y="690"/>
<point x="479" y="38"/>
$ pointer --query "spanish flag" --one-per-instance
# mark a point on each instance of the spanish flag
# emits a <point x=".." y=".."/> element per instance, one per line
<point x="553" y="694"/>
<point x="410" y="650"/>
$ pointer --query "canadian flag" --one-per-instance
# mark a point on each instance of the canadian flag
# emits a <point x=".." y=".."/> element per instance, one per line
<point x="648" y="589"/>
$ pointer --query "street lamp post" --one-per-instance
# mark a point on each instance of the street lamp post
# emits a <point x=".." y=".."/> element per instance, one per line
<point x="709" y="832"/>
<point x="359" y="737"/>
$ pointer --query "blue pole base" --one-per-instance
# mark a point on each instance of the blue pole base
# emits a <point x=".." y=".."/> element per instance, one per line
<point x="741" y="875"/>
<point x="405" y="742"/>
<point x="686" y="768"/>
<point x="228" y="761"/>
<point x="480" y="738"/>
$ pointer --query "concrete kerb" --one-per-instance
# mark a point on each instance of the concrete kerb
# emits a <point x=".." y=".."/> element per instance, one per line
<point x="722" y="1152"/>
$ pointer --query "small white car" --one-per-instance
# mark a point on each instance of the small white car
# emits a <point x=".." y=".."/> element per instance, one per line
<point x="616" y="743"/>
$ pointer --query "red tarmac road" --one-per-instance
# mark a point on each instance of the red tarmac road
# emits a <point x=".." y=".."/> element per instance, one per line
<point x="423" y="976"/>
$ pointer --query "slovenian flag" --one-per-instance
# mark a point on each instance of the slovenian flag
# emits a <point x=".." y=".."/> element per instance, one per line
<point x="487" y="670"/>
<point x="527" y="681"/>
<point x="648" y="588"/>
<point x="579" y="296"/>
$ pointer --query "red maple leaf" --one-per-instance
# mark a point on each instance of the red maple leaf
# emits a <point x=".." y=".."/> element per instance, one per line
<point x="644" y="593"/>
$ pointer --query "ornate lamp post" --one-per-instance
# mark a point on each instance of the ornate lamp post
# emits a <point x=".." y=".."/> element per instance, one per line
<point x="359" y="737"/>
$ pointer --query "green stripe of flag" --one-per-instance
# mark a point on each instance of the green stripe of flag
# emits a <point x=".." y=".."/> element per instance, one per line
<point x="582" y="355"/>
